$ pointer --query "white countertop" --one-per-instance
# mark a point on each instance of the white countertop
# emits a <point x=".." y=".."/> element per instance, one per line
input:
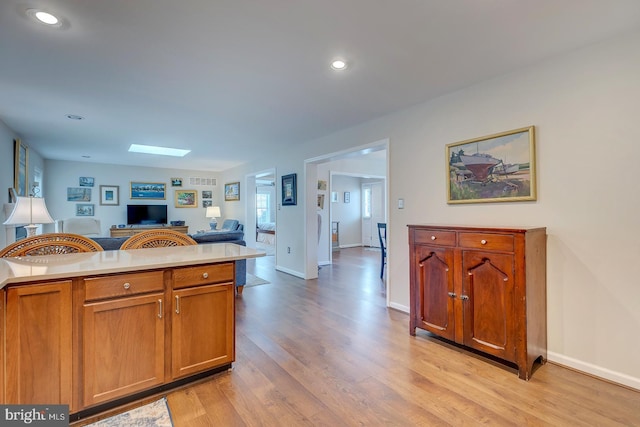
<point x="47" y="267"/>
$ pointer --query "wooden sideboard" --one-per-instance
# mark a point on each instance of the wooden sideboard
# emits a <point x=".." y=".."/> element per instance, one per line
<point x="124" y="324"/>
<point x="131" y="230"/>
<point x="484" y="288"/>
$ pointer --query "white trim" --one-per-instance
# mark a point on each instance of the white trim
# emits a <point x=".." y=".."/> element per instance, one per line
<point x="399" y="307"/>
<point x="598" y="371"/>
<point x="291" y="272"/>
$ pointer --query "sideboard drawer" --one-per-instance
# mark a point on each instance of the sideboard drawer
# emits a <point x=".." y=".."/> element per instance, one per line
<point x="123" y="285"/>
<point x="203" y="275"/>
<point x="495" y="242"/>
<point x="435" y="237"/>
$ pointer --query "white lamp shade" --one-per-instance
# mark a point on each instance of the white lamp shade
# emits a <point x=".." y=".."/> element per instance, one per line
<point x="213" y="212"/>
<point x="29" y="210"/>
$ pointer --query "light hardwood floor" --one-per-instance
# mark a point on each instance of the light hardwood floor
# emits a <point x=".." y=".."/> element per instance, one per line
<point x="327" y="352"/>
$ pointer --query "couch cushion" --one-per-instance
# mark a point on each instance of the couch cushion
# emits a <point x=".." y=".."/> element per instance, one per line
<point x="230" y="224"/>
<point x="218" y="236"/>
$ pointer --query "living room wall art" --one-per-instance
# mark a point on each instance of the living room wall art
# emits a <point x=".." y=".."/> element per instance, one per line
<point x="148" y="190"/>
<point x="78" y="194"/>
<point x="109" y="195"/>
<point x="176" y="182"/>
<point x="20" y="178"/>
<point x="493" y="168"/>
<point x="83" y="209"/>
<point x="186" y="198"/>
<point x="86" y="181"/>
<point x="232" y="191"/>
<point x="289" y="190"/>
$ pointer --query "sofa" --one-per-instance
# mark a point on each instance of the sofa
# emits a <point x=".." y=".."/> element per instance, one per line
<point x="231" y="232"/>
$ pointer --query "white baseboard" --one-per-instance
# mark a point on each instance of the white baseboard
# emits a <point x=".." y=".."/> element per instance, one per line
<point x="324" y="262"/>
<point x="353" y="245"/>
<point x="291" y="272"/>
<point x="598" y="371"/>
<point x="399" y="307"/>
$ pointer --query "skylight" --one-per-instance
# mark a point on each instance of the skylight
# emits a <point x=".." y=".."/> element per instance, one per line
<point x="163" y="151"/>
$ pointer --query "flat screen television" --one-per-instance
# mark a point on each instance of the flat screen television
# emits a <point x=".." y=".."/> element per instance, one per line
<point x="146" y="214"/>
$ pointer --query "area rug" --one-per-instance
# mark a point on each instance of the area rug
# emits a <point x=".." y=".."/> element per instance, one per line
<point x="150" y="415"/>
<point x="255" y="281"/>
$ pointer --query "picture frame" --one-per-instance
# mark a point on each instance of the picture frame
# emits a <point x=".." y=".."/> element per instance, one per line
<point x="322" y="185"/>
<point x="493" y="168"/>
<point x="176" y="182"/>
<point x="86" y="181"/>
<point x="20" y="168"/>
<point x="148" y="190"/>
<point x="186" y="198"/>
<point x="85" y="209"/>
<point x="347" y="197"/>
<point x="110" y="195"/>
<point x="232" y="191"/>
<point x="207" y="194"/>
<point x="207" y="203"/>
<point x="321" y="201"/>
<point x="289" y="190"/>
<point x="78" y="194"/>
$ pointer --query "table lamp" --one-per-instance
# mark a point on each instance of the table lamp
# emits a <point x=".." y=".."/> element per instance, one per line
<point x="29" y="211"/>
<point x="213" y="212"/>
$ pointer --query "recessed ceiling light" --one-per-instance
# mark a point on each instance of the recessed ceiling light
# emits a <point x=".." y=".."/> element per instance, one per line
<point x="338" y="64"/>
<point x="74" y="117"/>
<point x="42" y="17"/>
<point x="163" y="151"/>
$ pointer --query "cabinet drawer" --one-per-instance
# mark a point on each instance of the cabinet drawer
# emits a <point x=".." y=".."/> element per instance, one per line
<point x="495" y="242"/>
<point x="123" y="285"/>
<point x="435" y="237"/>
<point x="202" y="275"/>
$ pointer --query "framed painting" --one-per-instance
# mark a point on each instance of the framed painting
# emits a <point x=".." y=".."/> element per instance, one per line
<point x="110" y="195"/>
<point x="493" y="168"/>
<point x="207" y="203"/>
<point x="83" y="209"/>
<point x="176" y="182"/>
<point x="78" y="194"/>
<point x="289" y="190"/>
<point x="20" y="167"/>
<point x="148" y="190"/>
<point x="321" y="201"/>
<point x="86" y="181"/>
<point x="232" y="191"/>
<point x="207" y="194"/>
<point x="186" y="198"/>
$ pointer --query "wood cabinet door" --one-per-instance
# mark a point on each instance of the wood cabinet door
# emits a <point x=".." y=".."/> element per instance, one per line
<point x="488" y="303"/>
<point x="38" y="344"/>
<point x="202" y="328"/>
<point x="123" y="347"/>
<point x="435" y="293"/>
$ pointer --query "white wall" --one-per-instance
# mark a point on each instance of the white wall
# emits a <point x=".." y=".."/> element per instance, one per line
<point x="63" y="174"/>
<point x="348" y="214"/>
<point x="6" y="173"/>
<point x="584" y="106"/>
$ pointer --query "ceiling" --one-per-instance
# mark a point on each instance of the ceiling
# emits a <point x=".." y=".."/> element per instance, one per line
<point x="234" y="79"/>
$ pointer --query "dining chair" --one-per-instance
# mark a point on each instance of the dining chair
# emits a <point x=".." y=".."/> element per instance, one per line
<point x="156" y="238"/>
<point x="50" y="244"/>
<point x="382" y="235"/>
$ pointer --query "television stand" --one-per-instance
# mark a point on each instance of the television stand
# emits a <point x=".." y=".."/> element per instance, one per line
<point x="130" y="230"/>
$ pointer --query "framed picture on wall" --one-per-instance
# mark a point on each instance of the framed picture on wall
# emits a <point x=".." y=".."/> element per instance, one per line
<point x="83" y="209"/>
<point x="289" y="190"/>
<point x="109" y="195"/>
<point x="20" y="167"/>
<point x="232" y="191"/>
<point x="86" y="181"/>
<point x="186" y="198"/>
<point x="493" y="168"/>
<point x="148" y="190"/>
<point x="78" y="194"/>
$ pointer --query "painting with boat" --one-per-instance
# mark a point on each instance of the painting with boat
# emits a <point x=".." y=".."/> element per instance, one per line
<point x="493" y="168"/>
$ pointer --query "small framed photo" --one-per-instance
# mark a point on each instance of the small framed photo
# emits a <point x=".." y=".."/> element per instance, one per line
<point x="86" y="181"/>
<point x="207" y="203"/>
<point x="75" y="194"/>
<point x="148" y="190"/>
<point x="321" y="201"/>
<point x="186" y="198"/>
<point x="347" y="197"/>
<point x="232" y="191"/>
<point x="176" y="182"/>
<point x="289" y="190"/>
<point x="84" y="209"/>
<point x="207" y="194"/>
<point x="110" y="195"/>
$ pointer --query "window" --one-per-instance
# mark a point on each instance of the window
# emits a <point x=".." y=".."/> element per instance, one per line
<point x="262" y="207"/>
<point x="366" y="201"/>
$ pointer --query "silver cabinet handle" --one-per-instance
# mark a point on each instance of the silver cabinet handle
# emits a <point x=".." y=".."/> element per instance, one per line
<point x="205" y="275"/>
<point x="160" y="309"/>
<point x="464" y="297"/>
<point x="433" y="237"/>
<point x="452" y="294"/>
<point x="127" y="285"/>
<point x="484" y="242"/>
<point x="177" y="304"/>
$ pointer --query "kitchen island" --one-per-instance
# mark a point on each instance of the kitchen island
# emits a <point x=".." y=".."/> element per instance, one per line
<point x="92" y="330"/>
